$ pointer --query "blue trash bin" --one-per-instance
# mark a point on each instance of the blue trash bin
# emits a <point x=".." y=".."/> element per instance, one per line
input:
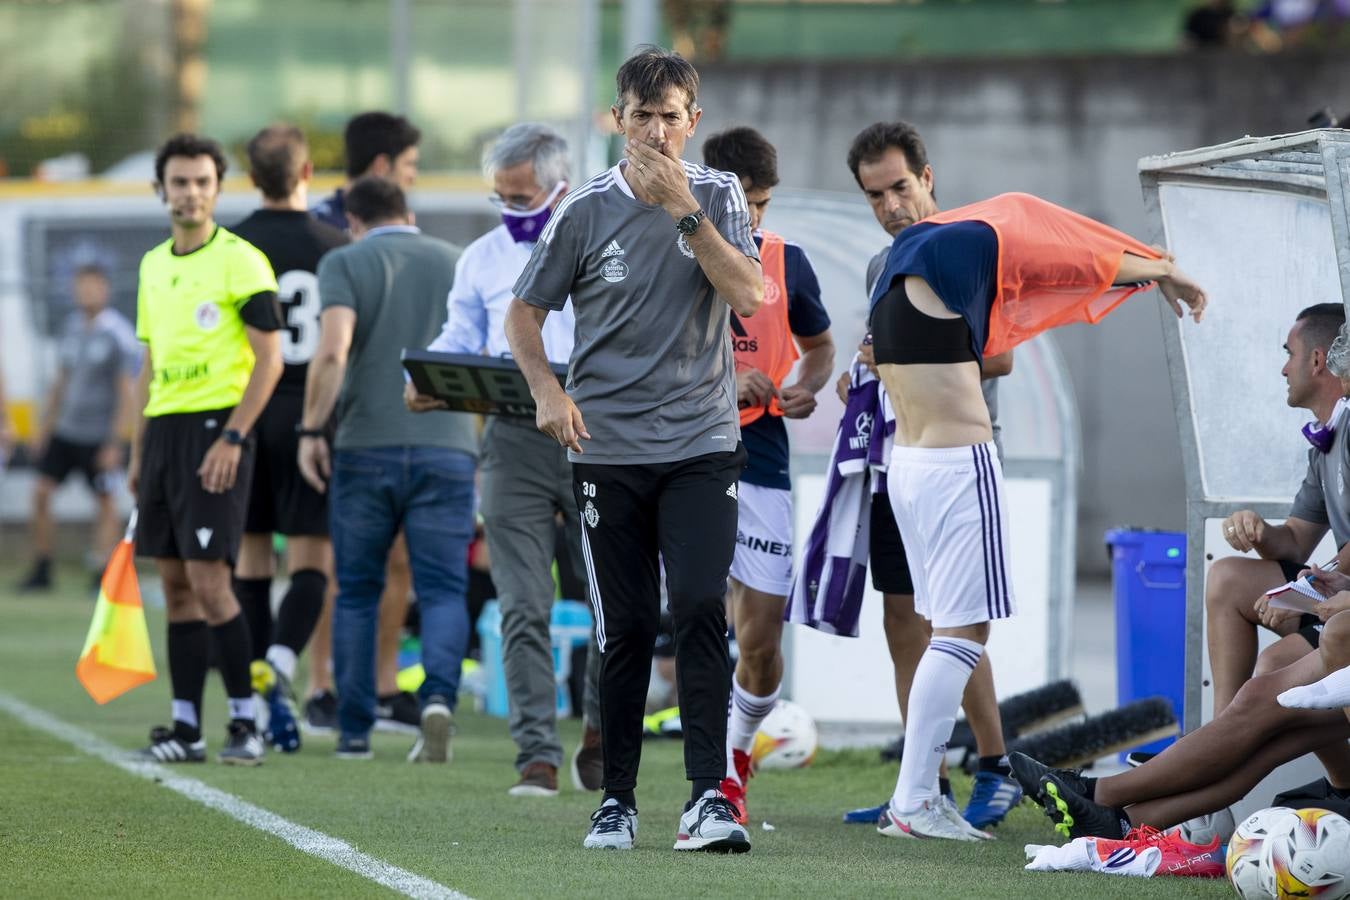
<point x="569" y="627"/>
<point x="1148" y="576"/>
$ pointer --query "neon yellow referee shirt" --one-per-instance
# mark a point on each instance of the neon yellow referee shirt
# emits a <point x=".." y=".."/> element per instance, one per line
<point x="188" y="313"/>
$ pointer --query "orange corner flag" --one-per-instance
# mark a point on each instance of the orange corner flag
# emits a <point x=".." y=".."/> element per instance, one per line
<point x="116" y="655"/>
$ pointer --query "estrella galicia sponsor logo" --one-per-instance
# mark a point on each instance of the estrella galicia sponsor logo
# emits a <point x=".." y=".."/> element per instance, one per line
<point x="614" y="270"/>
<point x="591" y="514"/>
<point x="684" y="246"/>
<point x="207" y="315"/>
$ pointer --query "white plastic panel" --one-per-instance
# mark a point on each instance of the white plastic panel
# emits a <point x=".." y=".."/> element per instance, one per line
<point x="1262" y="256"/>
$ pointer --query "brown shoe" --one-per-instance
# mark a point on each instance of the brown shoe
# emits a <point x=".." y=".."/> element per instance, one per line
<point x="538" y="779"/>
<point x="588" y="762"/>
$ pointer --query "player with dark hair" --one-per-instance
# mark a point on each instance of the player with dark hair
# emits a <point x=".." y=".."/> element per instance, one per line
<point x="890" y="163"/>
<point x="652" y="252"/>
<point x="376" y="143"/>
<point x="958" y="287"/>
<point x="791" y="327"/>
<point x="281" y="501"/>
<point x="207" y="312"/>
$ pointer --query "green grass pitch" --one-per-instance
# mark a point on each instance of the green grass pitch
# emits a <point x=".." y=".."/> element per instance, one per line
<point x="74" y="826"/>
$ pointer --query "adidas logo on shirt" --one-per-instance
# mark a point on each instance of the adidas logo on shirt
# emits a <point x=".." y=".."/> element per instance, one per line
<point x="731" y="491"/>
<point x="612" y="250"/>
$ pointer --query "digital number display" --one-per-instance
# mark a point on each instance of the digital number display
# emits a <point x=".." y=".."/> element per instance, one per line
<point x="477" y="384"/>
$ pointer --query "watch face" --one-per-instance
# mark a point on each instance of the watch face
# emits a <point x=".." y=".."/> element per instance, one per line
<point x="688" y="223"/>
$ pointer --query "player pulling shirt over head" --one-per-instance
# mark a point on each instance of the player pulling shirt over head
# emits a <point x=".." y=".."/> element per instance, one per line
<point x="959" y="286"/>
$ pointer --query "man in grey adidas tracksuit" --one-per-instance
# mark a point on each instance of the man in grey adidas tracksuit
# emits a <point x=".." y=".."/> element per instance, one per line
<point x="652" y="252"/>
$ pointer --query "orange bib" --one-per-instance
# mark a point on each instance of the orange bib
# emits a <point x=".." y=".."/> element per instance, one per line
<point x="1054" y="266"/>
<point x="764" y="341"/>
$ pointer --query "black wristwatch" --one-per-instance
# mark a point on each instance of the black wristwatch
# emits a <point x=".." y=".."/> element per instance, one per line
<point x="689" y="224"/>
<point x="308" y="432"/>
<point x="232" y="436"/>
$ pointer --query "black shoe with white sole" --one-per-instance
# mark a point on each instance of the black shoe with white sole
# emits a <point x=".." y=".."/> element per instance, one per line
<point x="167" y="747"/>
<point x="1138" y="758"/>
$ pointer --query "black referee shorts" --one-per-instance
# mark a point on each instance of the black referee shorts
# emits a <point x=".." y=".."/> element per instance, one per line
<point x="178" y="518"/>
<point x="886" y="551"/>
<point x="61" y="457"/>
<point x="281" y="500"/>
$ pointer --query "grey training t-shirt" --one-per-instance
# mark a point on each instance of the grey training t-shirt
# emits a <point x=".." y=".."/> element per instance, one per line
<point x="94" y="356"/>
<point x="652" y="370"/>
<point x="396" y="280"/>
<point x="988" y="386"/>
<point x="1322" y="498"/>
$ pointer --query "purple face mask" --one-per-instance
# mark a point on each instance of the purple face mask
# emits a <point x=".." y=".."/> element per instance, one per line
<point x="525" y="225"/>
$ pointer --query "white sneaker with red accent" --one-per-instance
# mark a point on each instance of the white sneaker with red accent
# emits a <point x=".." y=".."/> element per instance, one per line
<point x="709" y="823"/>
<point x="928" y="821"/>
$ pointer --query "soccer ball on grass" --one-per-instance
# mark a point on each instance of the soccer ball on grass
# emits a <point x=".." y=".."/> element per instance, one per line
<point x="786" y="738"/>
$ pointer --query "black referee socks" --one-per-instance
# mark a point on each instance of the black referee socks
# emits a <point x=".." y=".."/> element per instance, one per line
<point x="255" y="599"/>
<point x="189" y="656"/>
<point x="300" y="610"/>
<point x="232" y="640"/>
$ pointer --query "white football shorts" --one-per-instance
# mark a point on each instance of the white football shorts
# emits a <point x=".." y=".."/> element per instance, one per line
<point x="763" y="559"/>
<point x="953" y="517"/>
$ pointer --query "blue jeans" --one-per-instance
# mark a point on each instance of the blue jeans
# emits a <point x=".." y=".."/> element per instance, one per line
<point x="428" y="492"/>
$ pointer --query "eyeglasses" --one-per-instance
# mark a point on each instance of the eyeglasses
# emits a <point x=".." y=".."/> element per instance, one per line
<point x="501" y="202"/>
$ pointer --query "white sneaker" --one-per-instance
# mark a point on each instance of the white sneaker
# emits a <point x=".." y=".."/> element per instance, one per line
<point x="613" y="827"/>
<point x="948" y="807"/>
<point x="709" y="823"/>
<point x="928" y="821"/>
<point x="433" y="744"/>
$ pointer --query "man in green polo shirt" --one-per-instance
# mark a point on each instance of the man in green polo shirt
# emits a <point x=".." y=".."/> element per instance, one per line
<point x="207" y="312"/>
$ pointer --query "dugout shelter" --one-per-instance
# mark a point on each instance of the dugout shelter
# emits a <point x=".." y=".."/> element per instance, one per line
<point x="1264" y="225"/>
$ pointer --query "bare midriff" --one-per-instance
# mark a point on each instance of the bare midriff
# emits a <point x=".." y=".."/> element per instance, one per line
<point x="936" y="405"/>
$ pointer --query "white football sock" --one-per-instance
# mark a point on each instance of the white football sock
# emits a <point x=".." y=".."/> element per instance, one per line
<point x="1332" y="692"/>
<point x="939" y="682"/>
<point x="282" y="659"/>
<point x="185" y="712"/>
<point x="243" y="708"/>
<point x="744" y="715"/>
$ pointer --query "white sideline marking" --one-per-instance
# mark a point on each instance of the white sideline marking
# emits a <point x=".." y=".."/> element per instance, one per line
<point x="307" y="840"/>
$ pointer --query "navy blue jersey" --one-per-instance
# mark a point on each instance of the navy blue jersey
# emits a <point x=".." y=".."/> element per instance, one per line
<point x="766" y="438"/>
<point x="332" y="210"/>
<point x="959" y="261"/>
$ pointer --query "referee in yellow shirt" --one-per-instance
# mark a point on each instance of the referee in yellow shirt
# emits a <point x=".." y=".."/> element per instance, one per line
<point x="207" y="312"/>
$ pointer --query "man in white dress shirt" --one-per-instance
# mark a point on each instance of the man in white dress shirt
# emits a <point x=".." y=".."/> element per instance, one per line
<point x="526" y="478"/>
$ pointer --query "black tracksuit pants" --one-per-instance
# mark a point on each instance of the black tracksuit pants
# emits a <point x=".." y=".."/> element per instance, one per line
<point x="682" y="514"/>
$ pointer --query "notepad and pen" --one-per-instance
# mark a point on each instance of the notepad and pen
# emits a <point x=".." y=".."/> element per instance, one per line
<point x="1299" y="594"/>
